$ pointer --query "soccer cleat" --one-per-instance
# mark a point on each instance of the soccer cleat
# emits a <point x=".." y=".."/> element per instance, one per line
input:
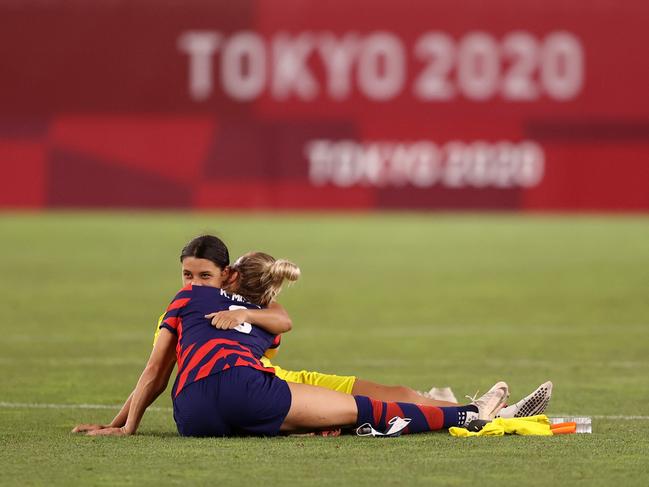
<point x="440" y="394"/>
<point x="443" y="394"/>
<point x="490" y="403"/>
<point x="530" y="405"/>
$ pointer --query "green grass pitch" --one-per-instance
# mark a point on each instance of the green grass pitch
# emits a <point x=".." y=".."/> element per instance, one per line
<point x="418" y="299"/>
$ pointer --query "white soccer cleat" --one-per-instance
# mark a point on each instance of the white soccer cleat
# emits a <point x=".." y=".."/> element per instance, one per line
<point x="530" y="405"/>
<point x="492" y="401"/>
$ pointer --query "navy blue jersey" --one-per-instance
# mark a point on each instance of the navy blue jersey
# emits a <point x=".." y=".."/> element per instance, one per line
<point x="203" y="350"/>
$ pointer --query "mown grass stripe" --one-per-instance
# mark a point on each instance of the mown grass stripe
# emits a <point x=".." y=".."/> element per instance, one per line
<point x="35" y="405"/>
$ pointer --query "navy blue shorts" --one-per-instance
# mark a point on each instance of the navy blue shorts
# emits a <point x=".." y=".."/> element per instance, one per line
<point x="240" y="401"/>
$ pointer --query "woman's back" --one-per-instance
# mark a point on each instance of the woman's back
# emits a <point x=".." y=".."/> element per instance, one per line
<point x="203" y="350"/>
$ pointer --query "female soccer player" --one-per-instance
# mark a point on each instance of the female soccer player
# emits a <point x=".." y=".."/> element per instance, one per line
<point x="532" y="404"/>
<point x="205" y="261"/>
<point x="222" y="388"/>
<point x="276" y="320"/>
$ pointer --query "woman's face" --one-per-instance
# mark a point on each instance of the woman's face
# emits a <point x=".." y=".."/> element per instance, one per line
<point x="202" y="272"/>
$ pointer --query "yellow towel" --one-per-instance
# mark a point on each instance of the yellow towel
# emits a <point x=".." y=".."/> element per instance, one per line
<point x="531" y="425"/>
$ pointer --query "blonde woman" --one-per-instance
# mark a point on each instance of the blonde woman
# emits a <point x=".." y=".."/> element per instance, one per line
<point x="205" y="262"/>
<point x="223" y="389"/>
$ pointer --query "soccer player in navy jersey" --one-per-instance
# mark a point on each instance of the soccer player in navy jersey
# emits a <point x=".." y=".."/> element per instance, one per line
<point x="205" y="260"/>
<point x="223" y="389"/>
<point x="207" y="401"/>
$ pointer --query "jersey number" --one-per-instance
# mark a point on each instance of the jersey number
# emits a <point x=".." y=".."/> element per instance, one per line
<point x="243" y="327"/>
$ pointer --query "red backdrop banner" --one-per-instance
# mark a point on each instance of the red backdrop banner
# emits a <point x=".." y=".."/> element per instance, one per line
<point x="507" y="104"/>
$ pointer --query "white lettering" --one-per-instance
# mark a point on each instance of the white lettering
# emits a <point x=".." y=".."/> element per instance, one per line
<point x="438" y="50"/>
<point x="518" y="81"/>
<point x="200" y="46"/>
<point x="424" y="164"/>
<point x="317" y="152"/>
<point x="562" y="67"/>
<point x="338" y="57"/>
<point x="291" y="74"/>
<point x="519" y="67"/>
<point x="243" y="66"/>
<point x="382" y="66"/>
<point x="478" y="66"/>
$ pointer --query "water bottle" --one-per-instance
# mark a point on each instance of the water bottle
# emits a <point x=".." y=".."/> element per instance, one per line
<point x="583" y="423"/>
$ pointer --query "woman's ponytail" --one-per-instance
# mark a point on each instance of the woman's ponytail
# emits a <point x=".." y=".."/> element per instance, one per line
<point x="261" y="276"/>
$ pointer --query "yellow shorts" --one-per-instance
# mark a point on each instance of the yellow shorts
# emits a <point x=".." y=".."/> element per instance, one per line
<point x="340" y="383"/>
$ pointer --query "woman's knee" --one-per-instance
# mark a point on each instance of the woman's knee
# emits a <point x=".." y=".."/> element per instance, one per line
<point x="315" y="407"/>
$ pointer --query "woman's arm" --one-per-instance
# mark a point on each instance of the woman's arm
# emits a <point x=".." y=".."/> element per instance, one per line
<point x="120" y="420"/>
<point x="117" y="422"/>
<point x="152" y="383"/>
<point x="273" y="319"/>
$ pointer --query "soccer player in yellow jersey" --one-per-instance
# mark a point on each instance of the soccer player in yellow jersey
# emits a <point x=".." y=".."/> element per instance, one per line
<point x="199" y="267"/>
<point x="202" y="261"/>
<point x="205" y="262"/>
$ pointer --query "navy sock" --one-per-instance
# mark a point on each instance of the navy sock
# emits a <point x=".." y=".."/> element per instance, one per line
<point x="423" y="418"/>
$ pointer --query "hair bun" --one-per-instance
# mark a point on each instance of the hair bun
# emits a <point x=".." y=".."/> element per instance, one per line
<point x="261" y="276"/>
<point x="284" y="269"/>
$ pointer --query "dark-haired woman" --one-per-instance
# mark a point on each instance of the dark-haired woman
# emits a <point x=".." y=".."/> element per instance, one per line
<point x="205" y="262"/>
<point x="276" y="320"/>
<point x="222" y="389"/>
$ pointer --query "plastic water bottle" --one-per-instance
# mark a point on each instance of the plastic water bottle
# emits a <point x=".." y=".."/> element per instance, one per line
<point x="584" y="423"/>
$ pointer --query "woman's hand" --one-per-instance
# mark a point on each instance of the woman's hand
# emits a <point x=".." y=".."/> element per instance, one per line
<point x="226" y="320"/>
<point x="84" y="428"/>
<point x="108" y="432"/>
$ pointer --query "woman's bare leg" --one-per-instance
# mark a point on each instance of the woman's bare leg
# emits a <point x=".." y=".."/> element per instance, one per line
<point x="382" y="392"/>
<point x="317" y="408"/>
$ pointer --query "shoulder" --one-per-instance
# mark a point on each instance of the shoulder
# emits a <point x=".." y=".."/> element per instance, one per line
<point x="181" y="298"/>
<point x="191" y="291"/>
